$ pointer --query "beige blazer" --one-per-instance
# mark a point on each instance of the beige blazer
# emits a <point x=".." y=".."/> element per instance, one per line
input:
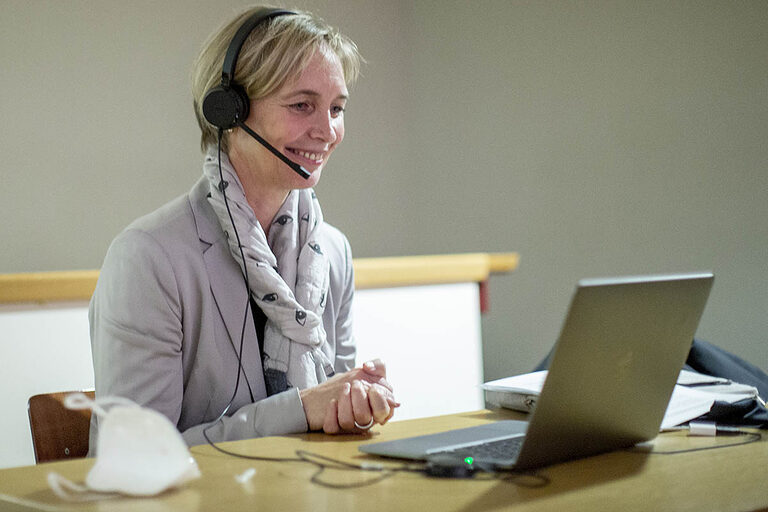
<point x="166" y="320"/>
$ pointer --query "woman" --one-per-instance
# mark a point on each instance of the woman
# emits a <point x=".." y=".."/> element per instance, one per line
<point x="175" y="327"/>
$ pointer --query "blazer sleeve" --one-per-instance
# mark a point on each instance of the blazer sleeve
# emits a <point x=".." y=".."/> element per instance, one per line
<point x="136" y="336"/>
<point x="136" y="330"/>
<point x="279" y="414"/>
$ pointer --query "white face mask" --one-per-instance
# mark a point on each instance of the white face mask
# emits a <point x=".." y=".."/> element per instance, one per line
<point x="138" y="452"/>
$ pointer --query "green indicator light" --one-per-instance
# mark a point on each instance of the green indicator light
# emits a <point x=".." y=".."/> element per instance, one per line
<point x="469" y="460"/>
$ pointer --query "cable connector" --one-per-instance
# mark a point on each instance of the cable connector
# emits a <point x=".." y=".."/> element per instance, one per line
<point x="711" y="429"/>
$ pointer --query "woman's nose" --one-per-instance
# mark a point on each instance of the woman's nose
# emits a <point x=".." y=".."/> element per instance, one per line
<point x="324" y="127"/>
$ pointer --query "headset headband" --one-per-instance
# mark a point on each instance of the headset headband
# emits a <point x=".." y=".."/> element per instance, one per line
<point x="230" y="60"/>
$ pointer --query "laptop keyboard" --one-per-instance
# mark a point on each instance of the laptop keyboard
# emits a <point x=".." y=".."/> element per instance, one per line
<point x="500" y="449"/>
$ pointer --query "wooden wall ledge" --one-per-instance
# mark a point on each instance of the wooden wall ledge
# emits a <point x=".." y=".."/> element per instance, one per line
<point x="422" y="270"/>
<point x="78" y="285"/>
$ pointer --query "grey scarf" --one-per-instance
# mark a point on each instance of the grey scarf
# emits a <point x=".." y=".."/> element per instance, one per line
<point x="288" y="276"/>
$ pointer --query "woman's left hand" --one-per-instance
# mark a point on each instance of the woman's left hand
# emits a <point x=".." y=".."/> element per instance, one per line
<point x="358" y="407"/>
<point x="351" y="402"/>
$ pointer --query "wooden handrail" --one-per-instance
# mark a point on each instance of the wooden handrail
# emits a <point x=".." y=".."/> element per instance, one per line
<point x="78" y="285"/>
<point x="436" y="269"/>
<point x="59" y="286"/>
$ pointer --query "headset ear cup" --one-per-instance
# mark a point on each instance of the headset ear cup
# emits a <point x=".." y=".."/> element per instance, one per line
<point x="224" y="107"/>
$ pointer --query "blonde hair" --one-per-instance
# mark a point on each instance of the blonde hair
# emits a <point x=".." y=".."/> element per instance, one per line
<point x="276" y="51"/>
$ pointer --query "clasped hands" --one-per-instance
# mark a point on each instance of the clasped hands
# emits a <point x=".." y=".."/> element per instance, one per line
<point x="347" y="401"/>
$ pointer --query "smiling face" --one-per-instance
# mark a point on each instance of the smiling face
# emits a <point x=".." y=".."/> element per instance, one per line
<point x="304" y="120"/>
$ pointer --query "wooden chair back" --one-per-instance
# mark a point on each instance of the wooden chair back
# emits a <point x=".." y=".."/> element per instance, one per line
<point x="58" y="432"/>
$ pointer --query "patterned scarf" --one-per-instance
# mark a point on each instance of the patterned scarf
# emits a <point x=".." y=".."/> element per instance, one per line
<point x="288" y="276"/>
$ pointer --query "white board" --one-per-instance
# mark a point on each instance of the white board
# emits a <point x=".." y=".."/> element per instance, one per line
<point x="42" y="349"/>
<point x="429" y="337"/>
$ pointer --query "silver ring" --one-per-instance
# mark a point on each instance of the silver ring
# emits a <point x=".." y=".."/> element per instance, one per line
<point x="364" y="427"/>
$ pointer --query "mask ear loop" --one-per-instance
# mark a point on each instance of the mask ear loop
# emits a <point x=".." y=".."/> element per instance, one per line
<point x="70" y="491"/>
<point x="79" y="401"/>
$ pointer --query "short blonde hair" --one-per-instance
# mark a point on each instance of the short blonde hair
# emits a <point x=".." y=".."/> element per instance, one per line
<point x="276" y="51"/>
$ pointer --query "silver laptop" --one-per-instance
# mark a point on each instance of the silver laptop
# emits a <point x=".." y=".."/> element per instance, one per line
<point x="610" y="379"/>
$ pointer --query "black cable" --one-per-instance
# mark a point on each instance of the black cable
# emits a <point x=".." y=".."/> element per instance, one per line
<point x="521" y="478"/>
<point x="529" y="479"/>
<point x="250" y="457"/>
<point x="223" y="186"/>
<point x="309" y="457"/>
<point x="752" y="438"/>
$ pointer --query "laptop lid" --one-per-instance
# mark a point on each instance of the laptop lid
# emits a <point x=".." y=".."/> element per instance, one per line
<point x="612" y="373"/>
<point x="615" y="365"/>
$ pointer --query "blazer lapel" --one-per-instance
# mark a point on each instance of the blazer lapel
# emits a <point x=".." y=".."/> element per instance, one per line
<point x="224" y="274"/>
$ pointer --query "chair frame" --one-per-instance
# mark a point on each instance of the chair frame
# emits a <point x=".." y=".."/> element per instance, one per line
<point x="57" y="432"/>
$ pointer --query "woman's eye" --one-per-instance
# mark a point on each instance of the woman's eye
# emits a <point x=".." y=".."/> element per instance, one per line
<point x="337" y="111"/>
<point x="301" y="106"/>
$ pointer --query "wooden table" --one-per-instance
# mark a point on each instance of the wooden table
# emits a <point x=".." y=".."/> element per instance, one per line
<point x="727" y="478"/>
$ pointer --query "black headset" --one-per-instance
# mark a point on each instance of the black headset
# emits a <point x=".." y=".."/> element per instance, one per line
<point x="227" y="104"/>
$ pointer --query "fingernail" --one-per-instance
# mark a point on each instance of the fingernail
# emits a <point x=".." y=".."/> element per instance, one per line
<point x="347" y="387"/>
<point x="369" y="365"/>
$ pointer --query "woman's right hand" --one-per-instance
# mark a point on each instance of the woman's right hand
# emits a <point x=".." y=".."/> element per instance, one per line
<point x="359" y="395"/>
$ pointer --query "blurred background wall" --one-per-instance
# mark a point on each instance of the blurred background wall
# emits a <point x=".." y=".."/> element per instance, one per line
<point x="593" y="137"/>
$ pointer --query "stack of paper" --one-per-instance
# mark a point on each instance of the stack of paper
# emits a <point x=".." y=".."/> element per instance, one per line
<point x="693" y="396"/>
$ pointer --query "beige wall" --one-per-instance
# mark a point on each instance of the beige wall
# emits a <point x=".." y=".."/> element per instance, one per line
<point x="595" y="138"/>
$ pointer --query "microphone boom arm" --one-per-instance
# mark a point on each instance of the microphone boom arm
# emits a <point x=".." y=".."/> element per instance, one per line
<point x="293" y="165"/>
